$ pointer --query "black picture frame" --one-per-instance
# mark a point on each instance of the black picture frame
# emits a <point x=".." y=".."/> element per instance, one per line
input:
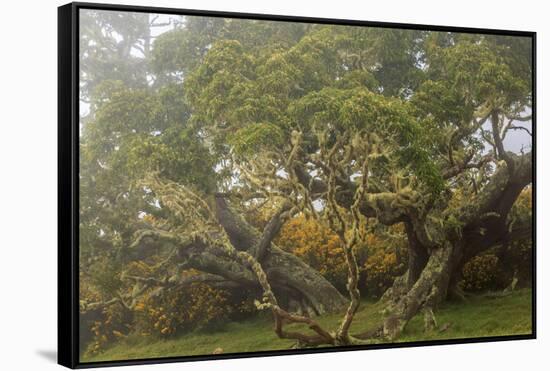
<point x="68" y="181"/>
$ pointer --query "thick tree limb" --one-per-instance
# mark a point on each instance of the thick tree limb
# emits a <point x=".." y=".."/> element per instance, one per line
<point x="458" y="169"/>
<point x="270" y="231"/>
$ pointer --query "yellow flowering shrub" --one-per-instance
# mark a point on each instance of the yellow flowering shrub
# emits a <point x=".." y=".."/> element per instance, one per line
<point x="317" y="246"/>
<point x="481" y="273"/>
<point x="385" y="262"/>
<point x="378" y="257"/>
<point x="185" y="309"/>
<point x="112" y="324"/>
<point x="158" y="313"/>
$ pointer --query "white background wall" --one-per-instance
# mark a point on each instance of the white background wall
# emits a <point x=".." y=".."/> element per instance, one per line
<point x="28" y="156"/>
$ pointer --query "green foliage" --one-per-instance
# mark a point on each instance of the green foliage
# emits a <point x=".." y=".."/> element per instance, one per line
<point x="357" y="109"/>
<point x="256" y="137"/>
<point x="104" y="275"/>
<point x="480" y="75"/>
<point x="397" y="66"/>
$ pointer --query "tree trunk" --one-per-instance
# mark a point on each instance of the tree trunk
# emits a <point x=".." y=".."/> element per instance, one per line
<point x="298" y="286"/>
<point x="417" y="259"/>
<point x="484" y="224"/>
<point x="315" y="296"/>
<point x="425" y="294"/>
<point x="487" y="226"/>
<point x="418" y="256"/>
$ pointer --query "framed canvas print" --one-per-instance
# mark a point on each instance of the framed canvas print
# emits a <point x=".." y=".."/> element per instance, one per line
<point x="236" y="185"/>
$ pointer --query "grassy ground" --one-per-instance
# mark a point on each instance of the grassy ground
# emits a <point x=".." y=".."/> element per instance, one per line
<point x="478" y="317"/>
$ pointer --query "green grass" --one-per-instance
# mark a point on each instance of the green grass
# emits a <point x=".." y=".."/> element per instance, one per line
<point x="478" y="317"/>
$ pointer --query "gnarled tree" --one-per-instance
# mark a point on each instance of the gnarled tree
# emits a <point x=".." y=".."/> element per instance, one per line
<point x="445" y="173"/>
<point x="352" y="126"/>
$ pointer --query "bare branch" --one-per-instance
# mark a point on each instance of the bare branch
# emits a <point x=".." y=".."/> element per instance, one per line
<point x="521" y="128"/>
<point x="501" y="153"/>
<point x="466" y="164"/>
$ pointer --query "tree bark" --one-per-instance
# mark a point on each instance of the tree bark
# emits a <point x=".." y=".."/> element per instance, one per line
<point x="486" y="226"/>
<point x="483" y="226"/>
<point x="297" y="286"/>
<point x="425" y="294"/>
<point x="418" y="256"/>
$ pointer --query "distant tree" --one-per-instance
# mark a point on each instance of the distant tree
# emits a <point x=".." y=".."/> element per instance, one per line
<point x="117" y="46"/>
